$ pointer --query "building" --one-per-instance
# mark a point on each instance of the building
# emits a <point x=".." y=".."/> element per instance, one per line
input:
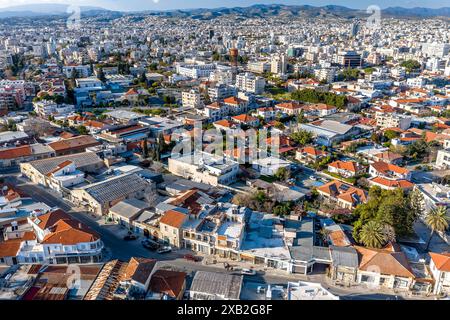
<point x="64" y="176"/>
<point x="73" y="145"/>
<point x="443" y="159"/>
<point x="344" y="195"/>
<point x="350" y="59"/>
<point x="309" y="155"/>
<point x="259" y="66"/>
<point x="12" y="157"/>
<point x="328" y="132"/>
<point x="270" y="165"/>
<point x="167" y="285"/>
<point x="215" y="286"/>
<point x="248" y="82"/>
<point x="55" y="239"/>
<point x="221" y="91"/>
<point x="392" y="120"/>
<point x="39" y="171"/>
<point x="195" y="71"/>
<point x="170" y="225"/>
<point x="206" y="168"/>
<point x="236" y="105"/>
<point x="289" y="108"/>
<point x="278" y="64"/>
<point x="384" y="268"/>
<point x="308" y="291"/>
<point x="440" y="269"/>
<point x="389" y="171"/>
<point x="99" y="197"/>
<point x="191" y="99"/>
<point x="46" y="108"/>
<point x="127" y="211"/>
<point x="246" y="120"/>
<point x="346" y="169"/>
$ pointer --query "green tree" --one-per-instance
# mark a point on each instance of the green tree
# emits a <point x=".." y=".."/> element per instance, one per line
<point x="372" y="235"/>
<point x="410" y="65"/>
<point x="416" y="203"/>
<point x="302" y="137"/>
<point x="437" y="221"/>
<point x="82" y="130"/>
<point x="391" y="134"/>
<point x="282" y="174"/>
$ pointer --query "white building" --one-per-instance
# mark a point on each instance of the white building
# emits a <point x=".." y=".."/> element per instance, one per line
<point x="195" y="71"/>
<point x="46" y="108"/>
<point x="250" y="83"/>
<point x="278" y="64"/>
<point x="308" y="291"/>
<point x="191" y="99"/>
<point x="205" y="167"/>
<point x="392" y="120"/>
<point x="440" y="268"/>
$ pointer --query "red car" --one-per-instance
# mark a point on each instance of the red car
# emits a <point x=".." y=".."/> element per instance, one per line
<point x="191" y="257"/>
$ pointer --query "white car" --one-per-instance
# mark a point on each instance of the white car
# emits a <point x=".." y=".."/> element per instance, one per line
<point x="248" y="272"/>
<point x="164" y="249"/>
<point x="313" y="178"/>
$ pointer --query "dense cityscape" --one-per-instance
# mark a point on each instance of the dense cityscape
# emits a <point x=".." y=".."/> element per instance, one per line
<point x="260" y="153"/>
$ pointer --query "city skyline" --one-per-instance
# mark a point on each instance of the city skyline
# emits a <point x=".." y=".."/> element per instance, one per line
<point x="139" y="5"/>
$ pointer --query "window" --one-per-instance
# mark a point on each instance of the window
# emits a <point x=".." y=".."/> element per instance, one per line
<point x="174" y="231"/>
<point x="365" y="278"/>
<point x="93" y="245"/>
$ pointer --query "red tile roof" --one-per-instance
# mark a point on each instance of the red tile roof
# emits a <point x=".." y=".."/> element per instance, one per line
<point x="14" y="153"/>
<point x="441" y="261"/>
<point x="173" y="218"/>
<point x="168" y="282"/>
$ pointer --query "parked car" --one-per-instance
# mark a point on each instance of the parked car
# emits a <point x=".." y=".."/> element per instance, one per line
<point x="191" y="257"/>
<point x="129" y="237"/>
<point x="248" y="272"/>
<point x="149" y="244"/>
<point x="165" y="249"/>
<point x="312" y="178"/>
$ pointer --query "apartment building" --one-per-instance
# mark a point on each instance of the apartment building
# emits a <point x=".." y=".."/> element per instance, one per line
<point x="205" y="167"/>
<point x="191" y="99"/>
<point x="248" y="82"/>
<point x="392" y="120"/>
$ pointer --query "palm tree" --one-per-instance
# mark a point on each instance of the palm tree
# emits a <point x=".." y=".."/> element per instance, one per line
<point x="436" y="220"/>
<point x="373" y="235"/>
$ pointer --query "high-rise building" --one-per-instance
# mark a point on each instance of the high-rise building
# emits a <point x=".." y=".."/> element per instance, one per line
<point x="350" y="59"/>
<point x="250" y="83"/>
<point x="278" y="64"/>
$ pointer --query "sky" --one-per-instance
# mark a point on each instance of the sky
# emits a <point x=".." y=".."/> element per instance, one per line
<point x="135" y="5"/>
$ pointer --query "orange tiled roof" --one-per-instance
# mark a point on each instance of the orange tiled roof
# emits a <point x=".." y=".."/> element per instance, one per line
<point x="346" y="165"/>
<point x="15" y="153"/>
<point x="384" y="167"/>
<point x="9" y="248"/>
<point x="168" y="282"/>
<point x="401" y="183"/>
<point x="441" y="261"/>
<point x="244" y="118"/>
<point x="70" y="232"/>
<point x="173" y="218"/>
<point x="224" y="123"/>
<point x="384" y="261"/>
<point x="289" y="105"/>
<point x="313" y="151"/>
<point x="344" y="191"/>
<point x="76" y="142"/>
